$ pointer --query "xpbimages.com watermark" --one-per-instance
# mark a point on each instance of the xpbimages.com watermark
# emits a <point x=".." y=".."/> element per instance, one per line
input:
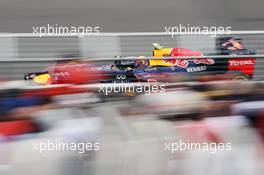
<point x="60" y="146"/>
<point x="174" y="147"/>
<point x="53" y="30"/>
<point x="194" y="30"/>
<point x="135" y="88"/>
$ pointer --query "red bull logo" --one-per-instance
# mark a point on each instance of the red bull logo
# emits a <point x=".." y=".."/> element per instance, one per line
<point x="183" y="63"/>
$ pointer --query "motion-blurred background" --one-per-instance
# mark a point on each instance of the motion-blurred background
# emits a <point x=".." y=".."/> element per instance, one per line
<point x="131" y="16"/>
<point x="132" y="129"/>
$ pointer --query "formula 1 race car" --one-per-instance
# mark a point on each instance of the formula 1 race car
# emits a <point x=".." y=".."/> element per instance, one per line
<point x="166" y="69"/>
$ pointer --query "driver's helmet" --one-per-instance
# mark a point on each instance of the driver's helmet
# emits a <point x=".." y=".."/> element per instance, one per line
<point x="232" y="44"/>
<point x="142" y="61"/>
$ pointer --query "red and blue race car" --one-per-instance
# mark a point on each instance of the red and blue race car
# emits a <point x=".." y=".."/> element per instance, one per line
<point x="167" y="68"/>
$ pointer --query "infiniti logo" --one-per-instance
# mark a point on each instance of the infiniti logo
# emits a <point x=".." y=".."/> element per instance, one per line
<point x="121" y="77"/>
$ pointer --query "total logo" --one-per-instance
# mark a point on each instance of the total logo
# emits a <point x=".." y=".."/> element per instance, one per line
<point x="241" y="63"/>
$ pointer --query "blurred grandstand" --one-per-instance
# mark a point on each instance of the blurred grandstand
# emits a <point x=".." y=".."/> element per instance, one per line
<point x="132" y="130"/>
